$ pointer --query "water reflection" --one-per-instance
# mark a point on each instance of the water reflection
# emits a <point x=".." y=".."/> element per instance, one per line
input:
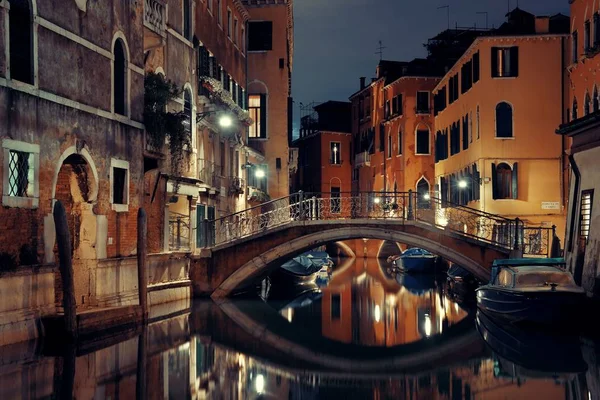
<point x="249" y="350"/>
<point x="364" y="304"/>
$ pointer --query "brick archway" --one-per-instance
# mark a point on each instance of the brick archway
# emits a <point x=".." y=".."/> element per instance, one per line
<point x="253" y="261"/>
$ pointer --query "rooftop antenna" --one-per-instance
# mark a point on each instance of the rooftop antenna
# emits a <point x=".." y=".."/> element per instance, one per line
<point x="380" y="50"/>
<point x="508" y="1"/>
<point x="447" y="7"/>
<point x="486" y="17"/>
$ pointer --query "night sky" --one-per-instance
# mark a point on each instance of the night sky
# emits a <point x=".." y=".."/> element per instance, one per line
<point x="335" y="40"/>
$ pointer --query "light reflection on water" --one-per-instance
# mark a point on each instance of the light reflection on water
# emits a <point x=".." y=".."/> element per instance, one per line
<point x="429" y="347"/>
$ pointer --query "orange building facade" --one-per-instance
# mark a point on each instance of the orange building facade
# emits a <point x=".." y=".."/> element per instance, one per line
<point x="582" y="112"/>
<point x="270" y="57"/>
<point x="495" y="114"/>
<point x="392" y="124"/>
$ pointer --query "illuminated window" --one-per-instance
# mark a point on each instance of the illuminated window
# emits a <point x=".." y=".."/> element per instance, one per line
<point x="258" y="112"/>
<point x="585" y="214"/>
<point x="335" y="153"/>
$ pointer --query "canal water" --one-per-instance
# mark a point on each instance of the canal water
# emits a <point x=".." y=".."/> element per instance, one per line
<point x="359" y="332"/>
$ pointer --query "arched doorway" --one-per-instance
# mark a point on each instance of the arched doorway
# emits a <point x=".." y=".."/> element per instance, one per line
<point x="423" y="196"/>
<point x="76" y="189"/>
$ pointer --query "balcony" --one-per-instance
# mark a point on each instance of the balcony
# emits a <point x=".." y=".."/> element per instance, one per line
<point x="155" y="24"/>
<point x="362" y="159"/>
<point x="209" y="173"/>
<point x="236" y="185"/>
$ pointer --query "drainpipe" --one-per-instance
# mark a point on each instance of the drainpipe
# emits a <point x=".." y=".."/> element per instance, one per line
<point x="562" y="113"/>
<point x="573" y="215"/>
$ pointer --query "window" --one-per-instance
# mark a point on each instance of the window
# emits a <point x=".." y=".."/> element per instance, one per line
<point x="229" y="23"/>
<point x="422" y="140"/>
<point x="119" y="183"/>
<point x="465" y="136"/>
<point x="260" y="36"/>
<point x="387" y="110"/>
<point x="470" y="117"/>
<point x="336" y="306"/>
<point x="20" y="180"/>
<point x="466" y="76"/>
<point x="187" y="112"/>
<point x="477" y="122"/>
<point x="21" y="41"/>
<point x="453" y="89"/>
<point x="335" y="149"/>
<point x="587" y="104"/>
<point x="258" y="177"/>
<point x="397" y="105"/>
<point x="399" y="141"/>
<point x="455" y="138"/>
<point x="258" y="112"/>
<point x="120" y="78"/>
<point x="422" y="102"/>
<point x="504" y="181"/>
<point x="235" y="31"/>
<point x="596" y="30"/>
<point x="585" y="214"/>
<point x="504" y="120"/>
<point x="187" y="21"/>
<point x="439" y="101"/>
<point x="220" y="12"/>
<point x="476" y="67"/>
<point x="574" y="44"/>
<point x="389" y="149"/>
<point x="335" y="200"/>
<point x="587" y="37"/>
<point x="505" y="62"/>
<point x="423" y="196"/>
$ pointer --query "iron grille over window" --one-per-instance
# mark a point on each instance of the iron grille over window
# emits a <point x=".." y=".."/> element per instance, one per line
<point x="18" y="174"/>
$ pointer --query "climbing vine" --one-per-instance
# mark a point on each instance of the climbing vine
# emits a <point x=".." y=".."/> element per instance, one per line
<point x="161" y="124"/>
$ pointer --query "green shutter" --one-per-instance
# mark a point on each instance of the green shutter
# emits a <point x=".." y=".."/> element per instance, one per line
<point x="200" y="216"/>
<point x="263" y="116"/>
<point x="494" y="182"/>
<point x="515" y="183"/>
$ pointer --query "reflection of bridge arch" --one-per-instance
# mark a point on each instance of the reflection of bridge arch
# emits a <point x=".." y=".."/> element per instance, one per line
<point x="281" y="344"/>
<point x="258" y="261"/>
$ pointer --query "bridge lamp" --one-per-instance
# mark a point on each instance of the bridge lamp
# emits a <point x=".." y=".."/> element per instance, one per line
<point x="260" y="173"/>
<point x="377" y="200"/>
<point x="427" y="325"/>
<point x="426" y="196"/>
<point x="377" y="313"/>
<point x="462" y="184"/>
<point x="259" y="383"/>
<point x="224" y="120"/>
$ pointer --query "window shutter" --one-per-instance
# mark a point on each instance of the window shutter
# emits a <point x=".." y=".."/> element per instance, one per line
<point x="263" y="116"/>
<point x="494" y="62"/>
<point x="475" y="67"/>
<point x="515" y="181"/>
<point x="514" y="61"/>
<point x="494" y="182"/>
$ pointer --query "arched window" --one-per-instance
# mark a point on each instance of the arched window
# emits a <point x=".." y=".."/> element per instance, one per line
<point x="504" y="181"/>
<point x="587" y="104"/>
<point x="422" y="139"/>
<point x="120" y="78"/>
<point x="390" y="151"/>
<point x="574" y="110"/>
<point x="423" y="195"/>
<point x="187" y="111"/>
<point x="504" y="120"/>
<point x="596" y="100"/>
<point x="21" y="40"/>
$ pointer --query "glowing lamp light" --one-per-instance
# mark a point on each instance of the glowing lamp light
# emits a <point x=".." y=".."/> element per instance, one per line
<point x="427" y="325"/>
<point x="426" y="196"/>
<point x="377" y="200"/>
<point x="225" y="121"/>
<point x="462" y="184"/>
<point x="260" y="173"/>
<point x="259" y="384"/>
<point x="377" y="313"/>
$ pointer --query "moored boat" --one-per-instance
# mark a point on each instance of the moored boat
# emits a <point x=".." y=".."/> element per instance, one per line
<point x="416" y="260"/>
<point x="530" y="290"/>
<point x="302" y="269"/>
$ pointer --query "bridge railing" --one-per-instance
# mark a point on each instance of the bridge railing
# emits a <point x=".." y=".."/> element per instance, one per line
<point x="399" y="206"/>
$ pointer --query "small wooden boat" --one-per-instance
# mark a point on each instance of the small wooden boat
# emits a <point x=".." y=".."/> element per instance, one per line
<point x="416" y="260"/>
<point x="530" y="290"/>
<point x="302" y="269"/>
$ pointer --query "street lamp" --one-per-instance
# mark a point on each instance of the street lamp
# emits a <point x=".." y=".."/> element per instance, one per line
<point x="463" y="183"/>
<point x="426" y="196"/>
<point x="224" y="120"/>
<point x="259" y="173"/>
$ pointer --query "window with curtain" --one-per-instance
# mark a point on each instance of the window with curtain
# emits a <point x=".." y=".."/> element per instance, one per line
<point x="335" y="149"/>
<point x="257" y="111"/>
<point x="504" y="181"/>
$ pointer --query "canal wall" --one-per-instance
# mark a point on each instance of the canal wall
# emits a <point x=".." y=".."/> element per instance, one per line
<point x="32" y="292"/>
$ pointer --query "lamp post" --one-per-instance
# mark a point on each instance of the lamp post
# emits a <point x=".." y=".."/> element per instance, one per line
<point x="224" y="121"/>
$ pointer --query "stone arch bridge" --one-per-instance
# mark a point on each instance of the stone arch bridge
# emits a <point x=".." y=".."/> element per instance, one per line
<point x="250" y="244"/>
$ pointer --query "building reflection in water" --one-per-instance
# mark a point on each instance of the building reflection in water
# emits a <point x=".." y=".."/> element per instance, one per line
<point x="363" y="304"/>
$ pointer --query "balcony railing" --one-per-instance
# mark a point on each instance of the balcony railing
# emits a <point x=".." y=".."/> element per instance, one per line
<point x="209" y="173"/>
<point x="155" y="16"/>
<point x="362" y="158"/>
<point x="236" y="185"/>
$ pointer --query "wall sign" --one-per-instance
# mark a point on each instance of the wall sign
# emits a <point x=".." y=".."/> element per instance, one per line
<point x="550" y="205"/>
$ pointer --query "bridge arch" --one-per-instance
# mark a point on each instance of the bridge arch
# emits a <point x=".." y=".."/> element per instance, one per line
<point x="264" y="263"/>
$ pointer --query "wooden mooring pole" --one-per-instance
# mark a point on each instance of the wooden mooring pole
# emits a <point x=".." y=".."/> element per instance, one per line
<point x="63" y="241"/>
<point x="142" y="253"/>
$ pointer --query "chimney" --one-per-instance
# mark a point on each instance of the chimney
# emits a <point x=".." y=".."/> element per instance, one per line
<point x="362" y="82"/>
<point x="542" y="25"/>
